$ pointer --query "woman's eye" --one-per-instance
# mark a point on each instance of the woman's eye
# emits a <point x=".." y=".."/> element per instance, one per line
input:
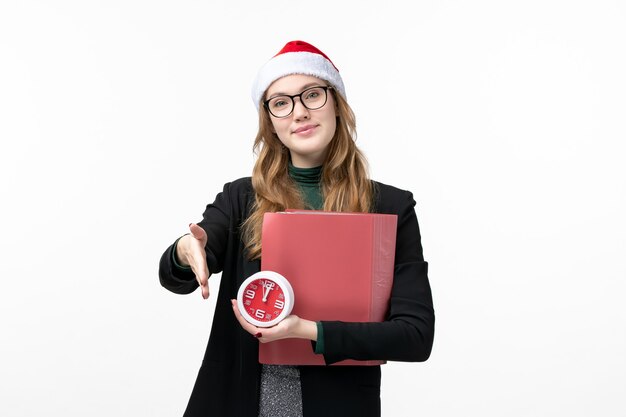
<point x="312" y="95"/>
<point x="279" y="103"/>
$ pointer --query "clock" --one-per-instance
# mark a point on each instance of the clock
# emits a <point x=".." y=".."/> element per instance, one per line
<point x="265" y="298"/>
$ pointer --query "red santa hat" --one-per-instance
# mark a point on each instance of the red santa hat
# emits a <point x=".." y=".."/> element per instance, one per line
<point x="296" y="57"/>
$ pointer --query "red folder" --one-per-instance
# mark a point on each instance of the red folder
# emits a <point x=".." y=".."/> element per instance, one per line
<point x="340" y="266"/>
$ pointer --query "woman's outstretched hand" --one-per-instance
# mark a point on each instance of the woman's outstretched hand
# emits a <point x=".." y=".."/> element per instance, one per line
<point x="190" y="251"/>
<point x="291" y="327"/>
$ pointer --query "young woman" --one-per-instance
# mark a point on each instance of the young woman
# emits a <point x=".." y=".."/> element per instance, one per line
<point x="307" y="158"/>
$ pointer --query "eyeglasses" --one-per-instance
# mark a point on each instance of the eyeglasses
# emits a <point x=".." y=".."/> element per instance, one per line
<point x="312" y="98"/>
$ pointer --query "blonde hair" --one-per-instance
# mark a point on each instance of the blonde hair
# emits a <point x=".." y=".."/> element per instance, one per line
<point x="345" y="183"/>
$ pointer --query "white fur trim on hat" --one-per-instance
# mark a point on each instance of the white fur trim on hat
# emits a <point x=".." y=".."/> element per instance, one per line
<point x="307" y="63"/>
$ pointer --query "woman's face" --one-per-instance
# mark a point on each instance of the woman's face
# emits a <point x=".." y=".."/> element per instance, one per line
<point x="306" y="133"/>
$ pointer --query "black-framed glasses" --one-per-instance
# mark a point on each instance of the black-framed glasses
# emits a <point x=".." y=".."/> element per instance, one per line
<point x="312" y="98"/>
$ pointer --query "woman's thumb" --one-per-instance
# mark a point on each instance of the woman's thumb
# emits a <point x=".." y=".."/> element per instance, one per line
<point x="197" y="232"/>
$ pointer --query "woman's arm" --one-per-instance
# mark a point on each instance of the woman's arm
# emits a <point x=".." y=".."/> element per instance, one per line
<point x="190" y="261"/>
<point x="408" y="332"/>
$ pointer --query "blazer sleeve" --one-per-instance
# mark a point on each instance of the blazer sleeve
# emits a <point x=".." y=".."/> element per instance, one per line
<point x="408" y="332"/>
<point x="216" y="223"/>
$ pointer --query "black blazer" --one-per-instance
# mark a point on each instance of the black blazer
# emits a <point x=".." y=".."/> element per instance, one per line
<point x="229" y="378"/>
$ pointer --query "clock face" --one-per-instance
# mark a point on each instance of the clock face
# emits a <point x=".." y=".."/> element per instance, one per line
<point x="265" y="298"/>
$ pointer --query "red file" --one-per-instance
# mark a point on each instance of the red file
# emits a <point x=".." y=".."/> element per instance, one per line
<point x="340" y="266"/>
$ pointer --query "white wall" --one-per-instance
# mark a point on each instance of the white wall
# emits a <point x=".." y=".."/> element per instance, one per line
<point x="120" y="120"/>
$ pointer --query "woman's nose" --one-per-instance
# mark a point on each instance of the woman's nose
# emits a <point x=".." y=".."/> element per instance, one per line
<point x="299" y="111"/>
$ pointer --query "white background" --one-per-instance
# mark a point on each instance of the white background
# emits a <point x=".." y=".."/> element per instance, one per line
<point x="121" y="120"/>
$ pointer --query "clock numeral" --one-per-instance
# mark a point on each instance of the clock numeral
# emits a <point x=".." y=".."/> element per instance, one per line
<point x="260" y="314"/>
<point x="270" y="284"/>
<point x="279" y="304"/>
<point x="249" y="293"/>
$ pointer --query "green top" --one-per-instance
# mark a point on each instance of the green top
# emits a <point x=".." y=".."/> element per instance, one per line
<point x="308" y="180"/>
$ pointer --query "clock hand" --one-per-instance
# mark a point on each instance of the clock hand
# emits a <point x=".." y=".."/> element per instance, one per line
<point x="265" y="291"/>
<point x="269" y="286"/>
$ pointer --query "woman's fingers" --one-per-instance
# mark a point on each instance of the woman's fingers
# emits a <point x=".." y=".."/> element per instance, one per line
<point x="197" y="257"/>
<point x="203" y="282"/>
<point x="200" y="269"/>
<point x="249" y="327"/>
<point x="282" y="330"/>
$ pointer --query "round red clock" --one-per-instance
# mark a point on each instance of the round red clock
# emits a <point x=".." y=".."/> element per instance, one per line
<point x="265" y="298"/>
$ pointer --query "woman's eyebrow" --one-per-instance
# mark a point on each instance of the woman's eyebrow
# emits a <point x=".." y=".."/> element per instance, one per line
<point x="304" y="87"/>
